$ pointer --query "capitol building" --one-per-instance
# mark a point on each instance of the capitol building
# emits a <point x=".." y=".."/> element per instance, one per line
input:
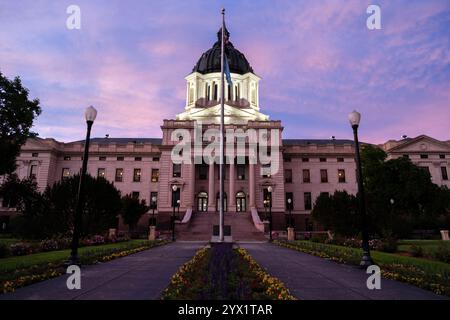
<point x="144" y="168"/>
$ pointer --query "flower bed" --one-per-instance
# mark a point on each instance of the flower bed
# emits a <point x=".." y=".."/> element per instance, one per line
<point x="22" y="248"/>
<point x="11" y="280"/>
<point x="233" y="275"/>
<point x="429" y="275"/>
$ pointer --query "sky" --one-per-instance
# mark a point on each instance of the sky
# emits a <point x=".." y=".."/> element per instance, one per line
<point x="317" y="59"/>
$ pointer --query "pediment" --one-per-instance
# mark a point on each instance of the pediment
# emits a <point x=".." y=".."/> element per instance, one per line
<point x="422" y="144"/>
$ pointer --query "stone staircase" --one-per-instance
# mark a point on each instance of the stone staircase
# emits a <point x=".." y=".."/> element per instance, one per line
<point x="201" y="225"/>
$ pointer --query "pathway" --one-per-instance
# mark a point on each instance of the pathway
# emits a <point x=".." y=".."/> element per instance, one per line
<point x="313" y="278"/>
<point x="139" y="276"/>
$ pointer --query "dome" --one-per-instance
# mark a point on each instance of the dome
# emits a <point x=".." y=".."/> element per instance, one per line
<point x="209" y="62"/>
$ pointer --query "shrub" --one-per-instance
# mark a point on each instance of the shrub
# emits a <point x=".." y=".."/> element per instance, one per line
<point x="48" y="245"/>
<point x="442" y="253"/>
<point x="387" y="245"/>
<point x="20" y="249"/>
<point x="98" y="239"/>
<point x="4" y="250"/>
<point x="416" y="251"/>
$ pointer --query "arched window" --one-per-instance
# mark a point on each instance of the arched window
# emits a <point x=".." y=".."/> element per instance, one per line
<point x="191" y="95"/>
<point x="241" y="204"/>
<point x="202" y="202"/>
<point x="215" y="86"/>
<point x="230" y="93"/>
<point x="206" y="92"/>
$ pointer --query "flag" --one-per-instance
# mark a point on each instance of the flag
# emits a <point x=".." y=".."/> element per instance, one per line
<point x="227" y="70"/>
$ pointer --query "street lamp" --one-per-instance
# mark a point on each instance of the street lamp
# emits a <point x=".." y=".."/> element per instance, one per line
<point x="290" y="212"/>
<point x="153" y="208"/>
<point x="269" y="189"/>
<point x="174" y="203"/>
<point x="90" y="114"/>
<point x="366" y="260"/>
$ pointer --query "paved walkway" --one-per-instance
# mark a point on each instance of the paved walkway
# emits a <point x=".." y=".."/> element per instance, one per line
<point x="140" y="276"/>
<point x="313" y="278"/>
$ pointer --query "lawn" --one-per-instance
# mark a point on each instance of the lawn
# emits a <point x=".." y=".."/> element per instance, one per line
<point x="19" y="271"/>
<point x="55" y="257"/>
<point x="429" y="246"/>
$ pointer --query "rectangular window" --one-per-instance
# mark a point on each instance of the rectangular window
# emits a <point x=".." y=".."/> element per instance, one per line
<point x="35" y="154"/>
<point x="33" y="171"/>
<point x="325" y="194"/>
<point x="119" y="175"/>
<point x="341" y="175"/>
<point x="240" y="168"/>
<point x="289" y="204"/>
<point x="323" y="159"/>
<point x="155" y="175"/>
<point x="287" y="159"/>
<point x="305" y="159"/>
<point x="153" y="200"/>
<point x="176" y="170"/>
<point x="423" y="156"/>
<point x="137" y="158"/>
<point x="203" y="172"/>
<point x="442" y="156"/>
<point x="340" y="159"/>
<point x="120" y="158"/>
<point x="405" y="156"/>
<point x="323" y="175"/>
<point x="65" y="173"/>
<point x="306" y="176"/>
<point x="444" y="173"/>
<point x="265" y="170"/>
<point x="308" y="203"/>
<point x="155" y="159"/>
<point x="67" y="158"/>
<point x="102" y="158"/>
<point x="137" y="175"/>
<point x="135" y="194"/>
<point x="288" y="176"/>
<point x="101" y="172"/>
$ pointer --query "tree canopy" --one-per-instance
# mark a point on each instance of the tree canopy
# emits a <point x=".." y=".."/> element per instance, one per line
<point x="17" y="113"/>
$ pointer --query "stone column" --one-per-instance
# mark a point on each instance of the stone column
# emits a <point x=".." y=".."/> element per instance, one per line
<point x="251" y="185"/>
<point x="211" y="191"/>
<point x="232" y="191"/>
<point x="192" y="183"/>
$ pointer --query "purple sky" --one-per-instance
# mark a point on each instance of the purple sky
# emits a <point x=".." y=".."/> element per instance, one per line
<point x="317" y="60"/>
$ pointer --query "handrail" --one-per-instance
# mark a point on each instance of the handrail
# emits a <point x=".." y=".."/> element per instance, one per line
<point x="259" y="225"/>
<point x="187" y="217"/>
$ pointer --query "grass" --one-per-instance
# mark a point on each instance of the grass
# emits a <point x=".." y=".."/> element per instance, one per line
<point x="55" y="257"/>
<point x="428" y="274"/>
<point x="429" y="246"/>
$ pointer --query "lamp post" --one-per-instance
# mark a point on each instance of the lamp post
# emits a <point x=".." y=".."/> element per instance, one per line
<point x="269" y="189"/>
<point x="90" y="114"/>
<point x="174" y="203"/>
<point x="366" y="260"/>
<point x="290" y="212"/>
<point x="153" y="208"/>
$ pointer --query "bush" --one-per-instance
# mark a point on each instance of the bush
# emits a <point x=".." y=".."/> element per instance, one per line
<point x="387" y="245"/>
<point x="20" y="249"/>
<point x="442" y="253"/>
<point x="416" y="251"/>
<point x="49" y="245"/>
<point x="319" y="238"/>
<point x="4" y="250"/>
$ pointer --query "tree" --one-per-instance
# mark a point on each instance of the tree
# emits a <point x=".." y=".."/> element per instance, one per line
<point x="338" y="213"/>
<point x="17" y="114"/>
<point x="100" y="209"/>
<point x="132" y="210"/>
<point x="52" y="213"/>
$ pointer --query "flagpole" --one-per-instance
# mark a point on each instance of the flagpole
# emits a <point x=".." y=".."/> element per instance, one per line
<point x="222" y="151"/>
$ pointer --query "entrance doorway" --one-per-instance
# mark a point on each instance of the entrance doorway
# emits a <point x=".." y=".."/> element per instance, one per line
<point x="225" y="206"/>
<point x="202" y="202"/>
<point x="241" y="205"/>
